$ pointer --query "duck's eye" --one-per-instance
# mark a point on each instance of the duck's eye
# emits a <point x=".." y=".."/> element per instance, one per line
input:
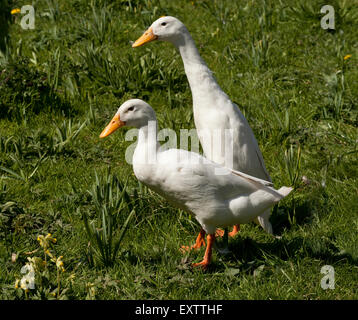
<point x="130" y="108"/>
<point x="163" y="24"/>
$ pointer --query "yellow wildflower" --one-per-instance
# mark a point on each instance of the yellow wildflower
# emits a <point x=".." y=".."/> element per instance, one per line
<point x="44" y="241"/>
<point x="91" y="290"/>
<point x="347" y="57"/>
<point x="59" y="264"/>
<point x="41" y="240"/>
<point x="15" y="11"/>
<point x="50" y="255"/>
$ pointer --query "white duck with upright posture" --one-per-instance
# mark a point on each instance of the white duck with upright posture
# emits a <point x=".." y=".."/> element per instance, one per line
<point x="214" y="112"/>
<point x="190" y="182"/>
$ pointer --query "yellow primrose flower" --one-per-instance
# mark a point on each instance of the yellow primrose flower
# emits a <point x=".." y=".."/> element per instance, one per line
<point x="17" y="283"/>
<point x="41" y="240"/>
<point x="44" y="241"/>
<point x="15" y="11"/>
<point x="347" y="57"/>
<point x="50" y="255"/>
<point x="91" y="290"/>
<point x="49" y="238"/>
<point x="59" y="264"/>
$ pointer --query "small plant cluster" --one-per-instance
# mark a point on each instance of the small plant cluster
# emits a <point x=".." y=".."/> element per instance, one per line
<point x="41" y="280"/>
<point x="111" y="201"/>
<point x="336" y="102"/>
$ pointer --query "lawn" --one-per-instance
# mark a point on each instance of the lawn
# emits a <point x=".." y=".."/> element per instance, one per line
<point x="70" y="206"/>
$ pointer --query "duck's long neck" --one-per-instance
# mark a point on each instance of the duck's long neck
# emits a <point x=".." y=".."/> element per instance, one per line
<point x="201" y="81"/>
<point x="148" y="145"/>
<point x="189" y="52"/>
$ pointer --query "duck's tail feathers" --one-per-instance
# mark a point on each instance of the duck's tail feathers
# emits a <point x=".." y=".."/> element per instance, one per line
<point x="284" y="191"/>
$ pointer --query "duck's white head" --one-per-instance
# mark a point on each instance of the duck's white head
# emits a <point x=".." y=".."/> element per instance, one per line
<point x="165" y="29"/>
<point x="132" y="113"/>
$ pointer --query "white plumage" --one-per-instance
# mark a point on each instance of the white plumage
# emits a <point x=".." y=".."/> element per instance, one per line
<point x="213" y="109"/>
<point x="190" y="181"/>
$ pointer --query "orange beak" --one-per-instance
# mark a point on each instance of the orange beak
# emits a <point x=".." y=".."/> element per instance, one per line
<point x="148" y="36"/>
<point x="112" y="126"/>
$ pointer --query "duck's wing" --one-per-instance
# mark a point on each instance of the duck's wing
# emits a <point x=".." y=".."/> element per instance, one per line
<point x="261" y="160"/>
<point x="253" y="159"/>
<point x="191" y="181"/>
<point x="196" y="172"/>
<point x="251" y="178"/>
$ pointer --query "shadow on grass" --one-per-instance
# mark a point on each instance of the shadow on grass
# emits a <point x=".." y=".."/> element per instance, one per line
<point x="251" y="254"/>
<point x="285" y="217"/>
<point x="298" y="210"/>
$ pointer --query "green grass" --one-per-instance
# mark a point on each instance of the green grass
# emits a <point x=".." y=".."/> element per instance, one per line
<point x="62" y="82"/>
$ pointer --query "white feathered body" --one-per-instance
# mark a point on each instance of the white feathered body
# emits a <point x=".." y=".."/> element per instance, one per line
<point x="193" y="185"/>
<point x="214" y="111"/>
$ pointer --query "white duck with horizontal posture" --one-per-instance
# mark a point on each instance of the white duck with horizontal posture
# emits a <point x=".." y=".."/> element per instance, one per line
<point x="190" y="182"/>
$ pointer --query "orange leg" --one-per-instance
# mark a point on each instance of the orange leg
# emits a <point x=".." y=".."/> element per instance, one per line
<point x="219" y="232"/>
<point x="207" y="257"/>
<point x="235" y="230"/>
<point x="200" y="241"/>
